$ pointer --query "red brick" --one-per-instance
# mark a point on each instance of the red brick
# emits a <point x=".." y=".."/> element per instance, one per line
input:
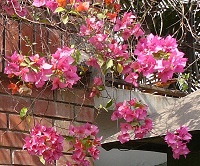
<point x="3" y="120"/>
<point x="15" y="122"/>
<point x="12" y="34"/>
<point x="62" y="126"/>
<point x="75" y="95"/>
<point x="67" y="147"/>
<point x="4" y="84"/>
<point x="85" y="114"/>
<point x="63" y="159"/>
<point x="42" y="94"/>
<point x="5" y="157"/>
<point x="21" y="157"/>
<point x="54" y="109"/>
<point x="12" y="139"/>
<point x="12" y="103"/>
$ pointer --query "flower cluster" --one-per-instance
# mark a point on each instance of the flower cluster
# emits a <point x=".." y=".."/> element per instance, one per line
<point x="111" y="51"/>
<point x="158" y="55"/>
<point x="12" y="7"/>
<point x="36" y="69"/>
<point x="178" y="141"/>
<point x="51" y="4"/>
<point x="54" y="4"/>
<point x="44" y="141"/>
<point x="108" y="33"/>
<point x="127" y="26"/>
<point x="85" y="142"/>
<point x="135" y="115"/>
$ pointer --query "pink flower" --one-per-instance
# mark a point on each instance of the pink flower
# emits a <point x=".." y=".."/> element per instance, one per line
<point x="98" y="81"/>
<point x="132" y="78"/>
<point x="64" y="72"/>
<point x="97" y="87"/>
<point x="92" y="27"/>
<point x="94" y="152"/>
<point x="117" y="50"/>
<point x="13" y="64"/>
<point x="116" y="115"/>
<point x="183" y="133"/>
<point x="159" y="55"/>
<point x="92" y="62"/>
<point x="14" y="7"/>
<point x="84" y="31"/>
<point x="98" y="41"/>
<point x="90" y="130"/>
<point x="84" y="142"/>
<point x="123" y="23"/>
<point x="44" y="141"/>
<point x="39" y="3"/>
<point x="178" y="140"/>
<point x="135" y="115"/>
<point x="57" y="83"/>
<point x="140" y="114"/>
<point x="125" y="127"/>
<point x="124" y="138"/>
<point x="126" y="34"/>
<point x="170" y="138"/>
<point x="51" y="4"/>
<point x="180" y="149"/>
<point x="137" y="31"/>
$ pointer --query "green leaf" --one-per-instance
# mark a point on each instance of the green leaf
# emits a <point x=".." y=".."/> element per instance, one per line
<point x="69" y="138"/>
<point x="134" y="123"/>
<point x="100" y="106"/>
<point x="73" y="12"/>
<point x="23" y="112"/>
<point x="187" y="76"/>
<point x="34" y="69"/>
<point x="42" y="160"/>
<point x="28" y="119"/>
<point x="181" y="81"/>
<point x="84" y="142"/>
<point x="27" y="60"/>
<point x="23" y="64"/>
<point x="185" y="86"/>
<point x="109" y="64"/>
<point x="100" y="88"/>
<point x="100" y="61"/>
<point x="77" y="56"/>
<point x="119" y="68"/>
<point x="59" y="9"/>
<point x="65" y="19"/>
<point x="101" y="16"/>
<point x="109" y="103"/>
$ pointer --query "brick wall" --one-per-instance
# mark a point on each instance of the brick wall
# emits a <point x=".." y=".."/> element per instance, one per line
<point x="52" y="108"/>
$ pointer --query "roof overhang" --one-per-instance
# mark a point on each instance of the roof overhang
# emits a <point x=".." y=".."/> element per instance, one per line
<point x="184" y="112"/>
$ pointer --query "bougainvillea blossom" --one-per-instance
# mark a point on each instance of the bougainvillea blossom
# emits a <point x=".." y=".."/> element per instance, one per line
<point x="51" y="4"/>
<point x="135" y="115"/>
<point x="178" y="141"/>
<point x="37" y="70"/>
<point x="84" y="141"/>
<point x="46" y="142"/>
<point x="107" y="33"/>
<point x="159" y="55"/>
<point x="13" y="7"/>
